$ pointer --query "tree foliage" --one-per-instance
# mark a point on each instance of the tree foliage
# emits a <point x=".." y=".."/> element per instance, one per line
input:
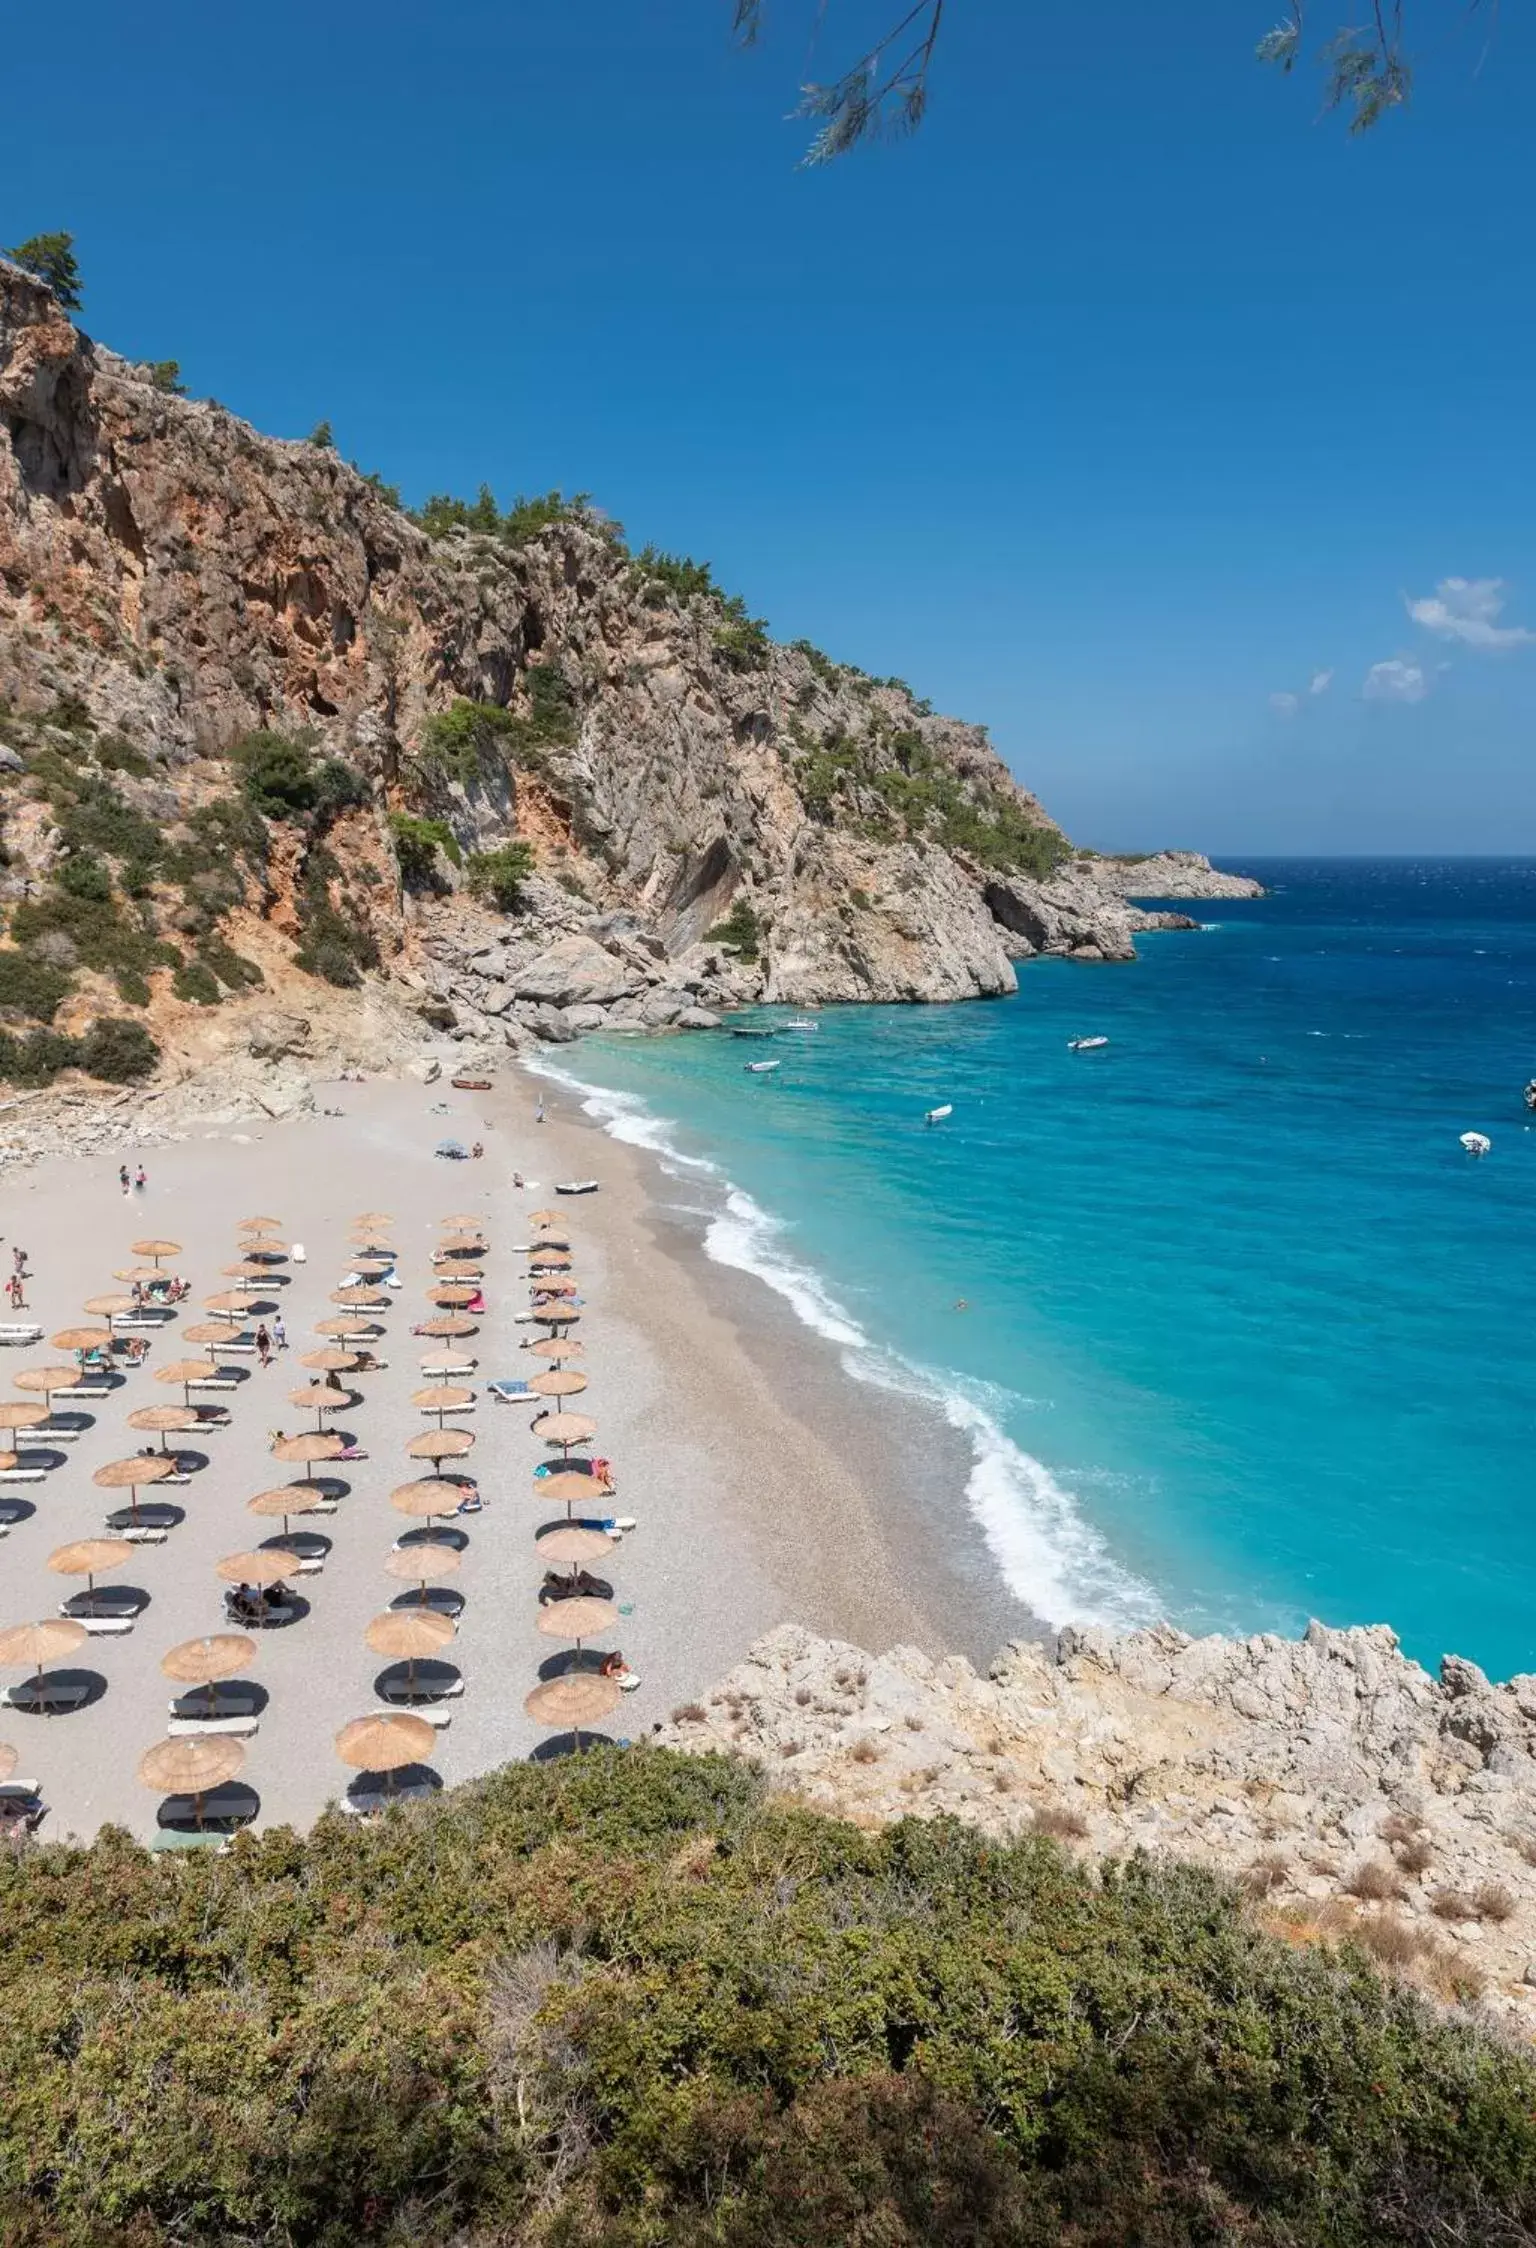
<point x="498" y="876"/>
<point x="52" y="258"/>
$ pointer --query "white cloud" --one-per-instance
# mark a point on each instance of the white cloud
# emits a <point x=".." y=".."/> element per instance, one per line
<point x="1321" y="682"/>
<point x="1468" y="610"/>
<point x="1397" y="680"/>
<point x="1285" y="705"/>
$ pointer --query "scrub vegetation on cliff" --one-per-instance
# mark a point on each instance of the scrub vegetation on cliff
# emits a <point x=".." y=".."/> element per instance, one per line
<point x="629" y="1999"/>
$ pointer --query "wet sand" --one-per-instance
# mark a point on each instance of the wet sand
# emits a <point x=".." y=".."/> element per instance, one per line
<point x="767" y="1487"/>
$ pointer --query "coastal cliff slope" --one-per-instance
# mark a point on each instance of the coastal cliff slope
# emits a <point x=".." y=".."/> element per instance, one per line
<point x="1352" y="1793"/>
<point x="262" y="730"/>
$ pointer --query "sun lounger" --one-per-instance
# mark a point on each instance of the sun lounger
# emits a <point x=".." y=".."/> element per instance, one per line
<point x="188" y="1728"/>
<point x="95" y="1386"/>
<point x="189" y="1838"/>
<point x="107" y="1627"/>
<point x="22" y="1474"/>
<point x="367" y="1806"/>
<point x="54" y="1693"/>
<point x="440" y="1719"/>
<point x="20" y="1331"/>
<point x="47" y="1433"/>
<point x="422" y="1694"/>
<point x="513" y="1393"/>
<point x="84" y="1607"/>
<point x="138" y="1533"/>
<point x="141" y="1322"/>
<point x="213" y="1381"/>
<point x="229" y="1700"/>
<point x="21" y="1791"/>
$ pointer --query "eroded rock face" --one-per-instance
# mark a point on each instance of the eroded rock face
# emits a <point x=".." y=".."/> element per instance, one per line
<point x="1346" y="1785"/>
<point x="1172" y="874"/>
<point x="188" y="580"/>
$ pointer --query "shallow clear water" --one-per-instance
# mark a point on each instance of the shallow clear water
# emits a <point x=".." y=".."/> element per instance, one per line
<point x="1245" y="1335"/>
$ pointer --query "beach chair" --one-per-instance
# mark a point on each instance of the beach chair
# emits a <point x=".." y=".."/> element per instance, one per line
<point x="20" y="1474"/>
<point x="230" y="1699"/>
<point x="421" y="1696"/>
<point x="213" y="1381"/>
<point x="138" y="1533"/>
<point x="20" y="1332"/>
<point x="105" y="1627"/>
<point x="513" y="1393"/>
<point x="47" y="1433"/>
<point x="54" y="1693"/>
<point x="439" y="1719"/>
<point x="189" y="1728"/>
<point x="186" y="1839"/>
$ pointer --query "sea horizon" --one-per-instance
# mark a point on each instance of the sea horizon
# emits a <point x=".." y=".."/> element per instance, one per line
<point x="1228" y="1285"/>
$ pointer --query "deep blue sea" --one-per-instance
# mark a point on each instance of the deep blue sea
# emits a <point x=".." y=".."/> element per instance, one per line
<point x="1245" y="1337"/>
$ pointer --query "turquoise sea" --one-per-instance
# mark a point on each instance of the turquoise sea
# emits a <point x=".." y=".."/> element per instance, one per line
<point x="1246" y="1337"/>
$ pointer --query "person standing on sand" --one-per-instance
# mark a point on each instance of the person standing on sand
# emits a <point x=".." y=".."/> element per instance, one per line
<point x="142" y="1181"/>
<point x="264" y="1344"/>
<point x="124" y="1180"/>
<point x="279" y="1331"/>
<point x="538" y="1114"/>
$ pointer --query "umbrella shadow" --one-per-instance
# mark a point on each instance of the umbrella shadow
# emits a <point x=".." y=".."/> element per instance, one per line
<point x="574" y="1661"/>
<point x="219" y="1810"/>
<point x="13" y="1511"/>
<point x="236" y="1697"/>
<point x="37" y="1456"/>
<point x="190" y="1463"/>
<point x="155" y="1516"/>
<point x="431" y="1534"/>
<point x="377" y="1791"/>
<point x="291" y="1610"/>
<point x="58" y="1692"/>
<point x="332" y="1486"/>
<point x="107" y="1600"/>
<point x="79" y="1422"/>
<point x="443" y="1600"/>
<point x="304" y="1545"/>
<point x="570" y="1744"/>
<point x="427" y="1680"/>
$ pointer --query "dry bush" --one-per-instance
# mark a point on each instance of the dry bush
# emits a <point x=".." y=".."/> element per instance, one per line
<point x="1415" y="1856"/>
<point x="1492" y="1901"/>
<point x="1389" y="1938"/>
<point x="1270" y="1872"/>
<point x="1452" y="1904"/>
<point x="912" y="1721"/>
<point x="1375" y="1881"/>
<point x="1004" y="1782"/>
<point x="1058" y="1820"/>
<point x="1524" y="1846"/>
<point x="802" y="1696"/>
<point x="1400" y="1827"/>
<point x="864" y="1752"/>
<point x="690" y="1713"/>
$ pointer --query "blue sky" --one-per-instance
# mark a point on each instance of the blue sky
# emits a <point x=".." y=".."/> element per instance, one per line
<point x="1126" y="397"/>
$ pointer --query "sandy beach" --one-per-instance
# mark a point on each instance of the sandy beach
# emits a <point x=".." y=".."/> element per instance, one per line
<point x="763" y="1490"/>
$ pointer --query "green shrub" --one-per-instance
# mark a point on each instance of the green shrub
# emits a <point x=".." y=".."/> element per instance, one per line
<point x="677" y="574"/>
<point x="99" y="820"/>
<point x="232" y="968"/>
<point x="498" y="876"/>
<point x="96" y="931"/>
<point x="417" y="843"/>
<point x="460" y="742"/>
<point x="52" y="258"/>
<point x="165" y="374"/>
<point x="132" y="988"/>
<point x="739" y="932"/>
<point x="118" y="1050"/>
<point x="278" y="775"/>
<point x="741" y="640"/>
<point x="115" y="755"/>
<point x="38" y="1058"/>
<point x="524" y="520"/>
<point x="84" y="876"/>
<point x="31" y="986"/>
<point x="196" y="982"/>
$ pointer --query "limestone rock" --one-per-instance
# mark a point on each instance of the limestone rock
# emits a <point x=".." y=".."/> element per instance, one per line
<point x="575" y="972"/>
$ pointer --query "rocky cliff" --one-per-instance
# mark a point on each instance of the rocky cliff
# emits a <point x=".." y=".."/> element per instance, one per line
<point x="1352" y="1792"/>
<point x="258" y="725"/>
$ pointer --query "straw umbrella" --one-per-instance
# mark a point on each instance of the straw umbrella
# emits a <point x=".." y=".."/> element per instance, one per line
<point x="82" y="1338"/>
<point x="143" y="1273"/>
<point x="374" y="1262"/>
<point x="234" y="1303"/>
<point x="287" y="1499"/>
<point x="361" y="1299"/>
<point x="320" y="1399"/>
<point x="260" y="1225"/>
<point x="409" y="1634"/>
<point x="373" y="1217"/>
<point x="420" y="1564"/>
<point x="449" y="1323"/>
<point x="570" y="1485"/>
<point x="132" y="1475"/>
<point x="458" y="1272"/>
<point x="453" y="1295"/>
<point x="163" y="1420"/>
<point x="330" y="1361"/>
<point x="263" y="1568"/>
<point x="565" y="1429"/>
<point x="428" y="1499"/>
<point x="157" y="1249"/>
<point x="109" y="1308"/>
<point x="578" y="1698"/>
<point x="560" y="1348"/>
<point x="558" y="1384"/>
<point x="472" y="1242"/>
<point x="446" y="1363"/>
<point x="190" y="1767"/>
<point x="345" y="1326"/>
<point x="549" y="1260"/>
<point x="85" y="1557"/>
<point x="442" y="1398"/>
<point x="441" y="1444"/>
<point x="578" y="1619"/>
<point x="303" y="1450"/>
<point x="203" y="1662"/>
<point x="547" y="1217"/>
<point x="24" y="1645"/>
<point x="246" y="1270"/>
<point x="16" y="1417"/>
<point x="458" y="1218"/>
<point x="569" y="1544"/>
<point x="555" y="1315"/>
<point x="385" y="1742"/>
<point x="44" y="1381"/>
<point x="186" y="1371"/>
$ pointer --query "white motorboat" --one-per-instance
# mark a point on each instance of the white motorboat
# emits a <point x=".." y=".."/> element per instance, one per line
<point x="800" y="1022"/>
<point x="1476" y="1143"/>
<point x="937" y="1115"/>
<point x="575" y="1186"/>
<point x="1085" y="1045"/>
<point x="760" y="1069"/>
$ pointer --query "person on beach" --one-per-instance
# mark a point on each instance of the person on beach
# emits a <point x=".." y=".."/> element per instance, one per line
<point x="18" y="1293"/>
<point x="264" y="1344"/>
<point x="279" y="1331"/>
<point x="123" y="1179"/>
<point x="19" y="1262"/>
<point x="142" y="1180"/>
<point x="538" y="1114"/>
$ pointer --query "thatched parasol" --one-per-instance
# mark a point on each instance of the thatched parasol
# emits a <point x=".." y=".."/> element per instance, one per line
<point x="449" y="1323"/>
<point x="565" y="1429"/>
<point x="453" y="1294"/>
<point x="549" y="1260"/>
<point x="82" y="1338"/>
<point x="22" y="1416"/>
<point x="234" y="1303"/>
<point x="441" y="1444"/>
<point x="108" y="1307"/>
<point x="578" y="1619"/>
<point x="260" y="1225"/>
<point x="142" y="1273"/>
<point x="444" y="1362"/>
<point x="86" y="1558"/>
<point x="44" y="1380"/>
<point x="442" y="1398"/>
<point x="348" y="1324"/>
<point x="329" y="1361"/>
<point x="430" y="1497"/>
<point x="288" y="1498"/>
<point x="410" y="1634"/>
<point x="555" y="1315"/>
<point x="130" y="1475"/>
<point x="246" y="1270"/>
<point x="310" y="1445"/>
<point x="373" y="1217"/>
<point x="385" y="1742"/>
<point x="570" y="1485"/>
<point x="321" y="1398"/>
<point x="557" y="1350"/>
<point x="558" y="1384"/>
<point x="569" y="1544"/>
<point x="360" y="1299"/>
<point x="190" y="1767"/>
<point x="546" y="1217"/>
<point x="207" y="1331"/>
<point x="577" y="1698"/>
<point x="420" y="1564"/>
<point x="164" y="1420"/>
<point x="460" y="1218"/>
<point x="203" y="1662"/>
<point x="25" y="1646"/>
<point x="263" y="1568"/>
<point x="186" y="1371"/>
<point x="375" y="1262"/>
<point x="157" y="1249"/>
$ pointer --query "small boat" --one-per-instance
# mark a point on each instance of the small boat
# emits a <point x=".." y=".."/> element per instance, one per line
<point x="1476" y="1143"/>
<point x="1529" y="1095"/>
<point x="800" y="1022"/>
<point x="937" y="1115"/>
<point x="575" y="1186"/>
<point x="1085" y="1045"/>
<point x="750" y="1030"/>
<point x="17" y="1331"/>
<point x="760" y="1069"/>
<point x="472" y="1084"/>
